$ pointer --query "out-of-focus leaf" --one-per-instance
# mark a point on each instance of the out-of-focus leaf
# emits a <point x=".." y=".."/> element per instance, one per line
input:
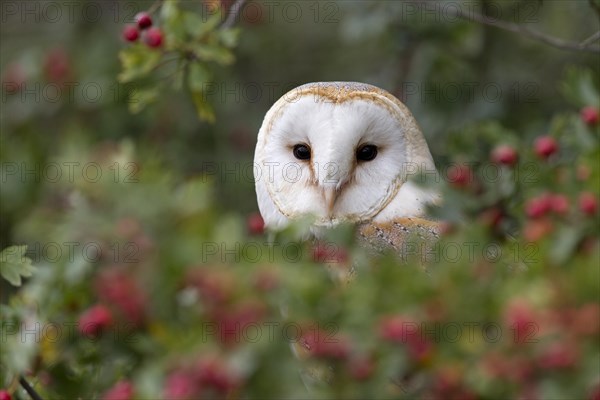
<point x="578" y="87"/>
<point x="564" y="248"/>
<point x="214" y="52"/>
<point x="229" y="37"/>
<point x="198" y="76"/>
<point x="141" y="98"/>
<point x="203" y="108"/>
<point x="14" y="265"/>
<point x="197" y="26"/>
<point x="136" y="62"/>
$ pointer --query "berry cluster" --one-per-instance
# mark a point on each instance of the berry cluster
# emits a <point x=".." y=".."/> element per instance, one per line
<point x="152" y="36"/>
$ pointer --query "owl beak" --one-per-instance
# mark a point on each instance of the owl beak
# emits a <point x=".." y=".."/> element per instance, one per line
<point x="330" y="195"/>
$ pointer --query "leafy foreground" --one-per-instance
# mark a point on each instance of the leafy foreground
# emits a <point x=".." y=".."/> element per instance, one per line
<point x="144" y="288"/>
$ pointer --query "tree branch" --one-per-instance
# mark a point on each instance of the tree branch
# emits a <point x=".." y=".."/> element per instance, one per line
<point x="234" y="11"/>
<point x="30" y="390"/>
<point x="583" y="46"/>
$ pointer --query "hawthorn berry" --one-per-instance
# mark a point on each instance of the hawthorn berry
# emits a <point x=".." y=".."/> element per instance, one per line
<point x="538" y="206"/>
<point x="399" y="329"/>
<point x="120" y="290"/>
<point x="545" y="146"/>
<point x="57" y="66"/>
<point x="122" y="390"/>
<point x="590" y="115"/>
<point x="361" y="368"/>
<point x="180" y="385"/>
<point x="94" y="320"/>
<point x="131" y="33"/>
<point x="588" y="203"/>
<point x="558" y="355"/>
<point x="559" y="203"/>
<point x="505" y="154"/>
<point x="329" y="253"/>
<point x="213" y="372"/>
<point x="536" y="229"/>
<point x="460" y="175"/>
<point x="4" y="395"/>
<point x="153" y="37"/>
<point x="143" y="20"/>
<point x="322" y="344"/>
<point x="255" y="224"/>
<point x="521" y="318"/>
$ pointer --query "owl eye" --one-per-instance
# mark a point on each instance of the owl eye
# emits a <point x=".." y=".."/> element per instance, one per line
<point x="302" y="152"/>
<point x="366" y="153"/>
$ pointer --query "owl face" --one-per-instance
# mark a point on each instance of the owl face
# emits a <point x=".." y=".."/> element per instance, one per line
<point x="338" y="152"/>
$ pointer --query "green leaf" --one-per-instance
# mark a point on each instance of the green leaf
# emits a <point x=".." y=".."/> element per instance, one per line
<point x="140" y="98"/>
<point x="203" y="108"/>
<point x="197" y="26"/>
<point x="14" y="264"/>
<point x="173" y="17"/>
<point x="136" y="62"/>
<point x="229" y="37"/>
<point x="578" y="87"/>
<point x="216" y="53"/>
<point x="565" y="244"/>
<point x="198" y="76"/>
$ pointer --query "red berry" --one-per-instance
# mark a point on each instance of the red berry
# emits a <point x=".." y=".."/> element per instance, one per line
<point x="57" y="66"/>
<point x="491" y="217"/>
<point x="558" y="355"/>
<point x="143" y="20"/>
<point x="323" y="344"/>
<point x="505" y="154"/>
<point x="233" y="323"/>
<point x="94" y="320"/>
<point x="537" y="229"/>
<point x="401" y="330"/>
<point x="329" y="253"/>
<point x="520" y="317"/>
<point x="559" y="203"/>
<point x="255" y="224"/>
<point x="131" y="33"/>
<point x="590" y="115"/>
<point x="266" y="280"/>
<point x="122" y="390"/>
<point x="538" y="206"/>
<point x="361" y="368"/>
<point x="545" y="146"/>
<point x="180" y="385"/>
<point x="153" y="37"/>
<point x="588" y="203"/>
<point x="216" y="286"/>
<point x="214" y="372"/>
<point x="120" y="290"/>
<point x="460" y="175"/>
<point x="4" y="395"/>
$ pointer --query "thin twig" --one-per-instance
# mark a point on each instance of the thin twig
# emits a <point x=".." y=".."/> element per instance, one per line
<point x="591" y="39"/>
<point x="155" y="6"/>
<point x="523" y="30"/>
<point x="234" y="11"/>
<point x="30" y="390"/>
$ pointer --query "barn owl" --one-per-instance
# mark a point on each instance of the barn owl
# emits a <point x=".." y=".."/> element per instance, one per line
<point x="340" y="152"/>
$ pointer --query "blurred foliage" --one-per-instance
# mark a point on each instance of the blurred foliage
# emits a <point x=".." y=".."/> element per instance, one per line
<point x="150" y="279"/>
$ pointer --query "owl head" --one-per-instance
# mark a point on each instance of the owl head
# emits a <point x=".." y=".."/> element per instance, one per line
<point x="340" y="152"/>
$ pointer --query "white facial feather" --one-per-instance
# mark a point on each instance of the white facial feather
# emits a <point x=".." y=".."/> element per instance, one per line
<point x="335" y="119"/>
